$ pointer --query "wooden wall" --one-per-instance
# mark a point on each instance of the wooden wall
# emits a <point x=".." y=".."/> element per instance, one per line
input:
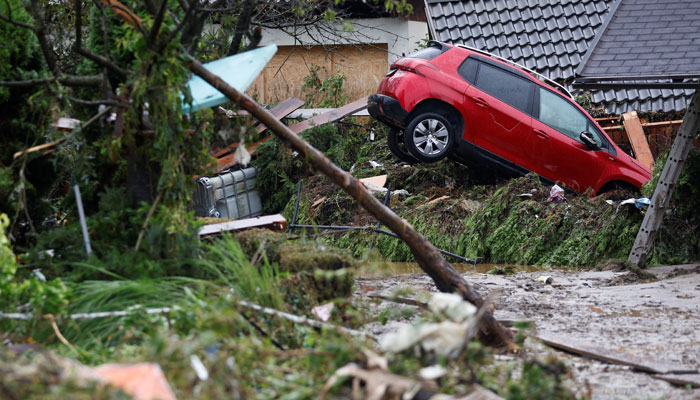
<point x="363" y="65"/>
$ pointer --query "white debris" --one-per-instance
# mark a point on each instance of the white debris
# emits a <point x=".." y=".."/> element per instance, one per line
<point x="199" y="368"/>
<point x="432" y="372"/>
<point x="375" y="164"/>
<point x="323" y="312"/>
<point x="451" y="305"/>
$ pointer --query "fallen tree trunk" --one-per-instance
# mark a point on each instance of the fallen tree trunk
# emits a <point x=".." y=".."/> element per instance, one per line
<point x="428" y="257"/>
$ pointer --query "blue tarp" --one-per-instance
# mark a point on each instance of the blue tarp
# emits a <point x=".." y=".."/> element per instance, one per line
<point x="239" y="71"/>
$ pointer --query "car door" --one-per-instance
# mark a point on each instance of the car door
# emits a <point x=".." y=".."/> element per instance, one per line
<point x="555" y="145"/>
<point x="498" y="107"/>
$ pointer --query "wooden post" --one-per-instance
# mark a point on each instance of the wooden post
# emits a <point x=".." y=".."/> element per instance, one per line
<point x="640" y="145"/>
<point x="669" y="176"/>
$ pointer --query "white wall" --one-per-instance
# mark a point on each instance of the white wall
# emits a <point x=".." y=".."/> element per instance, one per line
<point x="401" y="36"/>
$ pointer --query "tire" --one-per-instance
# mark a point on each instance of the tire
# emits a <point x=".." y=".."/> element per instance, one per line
<point x="397" y="146"/>
<point x="429" y="137"/>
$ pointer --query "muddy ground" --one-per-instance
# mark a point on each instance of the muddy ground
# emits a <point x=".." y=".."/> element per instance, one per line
<point x="656" y="319"/>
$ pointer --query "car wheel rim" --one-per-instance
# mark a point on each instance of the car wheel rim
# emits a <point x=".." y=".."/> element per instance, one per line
<point x="430" y="136"/>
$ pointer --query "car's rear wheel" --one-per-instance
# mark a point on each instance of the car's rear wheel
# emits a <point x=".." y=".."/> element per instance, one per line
<point x="397" y="146"/>
<point x="429" y="137"/>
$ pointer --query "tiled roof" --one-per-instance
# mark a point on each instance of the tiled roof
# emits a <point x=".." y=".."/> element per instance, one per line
<point x="647" y="37"/>
<point x="548" y="36"/>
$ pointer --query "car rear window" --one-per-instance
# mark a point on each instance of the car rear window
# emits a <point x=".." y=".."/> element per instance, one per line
<point x="467" y="69"/>
<point x="505" y="86"/>
<point x="428" y="53"/>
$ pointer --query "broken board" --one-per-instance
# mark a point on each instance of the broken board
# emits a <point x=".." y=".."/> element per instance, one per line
<point x="635" y="133"/>
<point x="330" y="116"/>
<point x="239" y="71"/>
<point x="274" y="222"/>
<point x="612" y="356"/>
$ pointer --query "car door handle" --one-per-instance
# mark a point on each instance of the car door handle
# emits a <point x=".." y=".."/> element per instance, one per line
<point x="481" y="102"/>
<point x="541" y="134"/>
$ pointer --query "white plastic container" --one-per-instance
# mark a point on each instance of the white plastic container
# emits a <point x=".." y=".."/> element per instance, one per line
<point x="230" y="195"/>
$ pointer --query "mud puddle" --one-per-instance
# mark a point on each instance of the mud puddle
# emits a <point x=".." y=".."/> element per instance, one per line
<point x="657" y="321"/>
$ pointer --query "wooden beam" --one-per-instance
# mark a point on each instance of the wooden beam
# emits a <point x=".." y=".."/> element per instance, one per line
<point x="638" y="140"/>
<point x="667" y="181"/>
<point x="330" y="116"/>
<point x="608" y="355"/>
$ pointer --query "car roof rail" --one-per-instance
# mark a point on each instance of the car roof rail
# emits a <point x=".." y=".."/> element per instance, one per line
<point x="537" y="75"/>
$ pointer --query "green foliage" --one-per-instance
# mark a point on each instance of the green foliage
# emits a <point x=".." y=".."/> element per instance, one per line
<point x="32" y="290"/>
<point x="324" y="93"/>
<point x="676" y="241"/>
<point x="257" y="283"/>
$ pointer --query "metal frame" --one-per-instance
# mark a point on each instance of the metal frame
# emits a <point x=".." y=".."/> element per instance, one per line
<point x="537" y="75"/>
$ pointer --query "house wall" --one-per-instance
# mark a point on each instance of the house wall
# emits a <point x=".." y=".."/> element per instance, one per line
<point x="363" y="55"/>
<point x="363" y="66"/>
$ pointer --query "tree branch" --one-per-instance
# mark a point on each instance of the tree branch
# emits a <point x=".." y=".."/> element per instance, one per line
<point x="151" y="40"/>
<point x="40" y="32"/>
<point x="241" y="26"/>
<point x="185" y="20"/>
<point x="77" y="46"/>
<point x="67" y="80"/>
<point x="9" y="19"/>
<point x="101" y="61"/>
<point x="92" y="103"/>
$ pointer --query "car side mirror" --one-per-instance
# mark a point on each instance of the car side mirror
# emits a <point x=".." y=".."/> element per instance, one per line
<point x="589" y="140"/>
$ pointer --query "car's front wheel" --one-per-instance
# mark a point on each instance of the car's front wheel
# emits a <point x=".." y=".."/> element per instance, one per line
<point x="429" y="137"/>
<point x="397" y="146"/>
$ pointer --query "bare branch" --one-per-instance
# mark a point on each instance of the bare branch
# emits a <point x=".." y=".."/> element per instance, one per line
<point x="92" y="103"/>
<point x="77" y="46"/>
<point x="101" y="61"/>
<point x="242" y="25"/>
<point x="185" y="20"/>
<point x="40" y="32"/>
<point x="67" y="80"/>
<point x="9" y="19"/>
<point x="151" y="40"/>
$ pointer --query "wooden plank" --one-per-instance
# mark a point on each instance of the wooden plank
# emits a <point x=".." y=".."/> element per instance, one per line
<point x="667" y="182"/>
<point x="638" y="140"/>
<point x="663" y="123"/>
<point x="274" y="222"/>
<point x="312" y="112"/>
<point x="612" y="356"/>
<point x="692" y="380"/>
<point x="330" y="116"/>
<point x="279" y="111"/>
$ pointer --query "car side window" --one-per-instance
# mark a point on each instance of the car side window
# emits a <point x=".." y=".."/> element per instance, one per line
<point x="505" y="86"/>
<point x="561" y="115"/>
<point x="467" y="70"/>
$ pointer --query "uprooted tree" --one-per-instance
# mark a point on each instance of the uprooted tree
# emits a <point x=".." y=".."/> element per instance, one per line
<point x="121" y="67"/>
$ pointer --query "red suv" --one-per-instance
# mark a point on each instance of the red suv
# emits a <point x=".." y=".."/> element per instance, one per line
<point x="481" y="109"/>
